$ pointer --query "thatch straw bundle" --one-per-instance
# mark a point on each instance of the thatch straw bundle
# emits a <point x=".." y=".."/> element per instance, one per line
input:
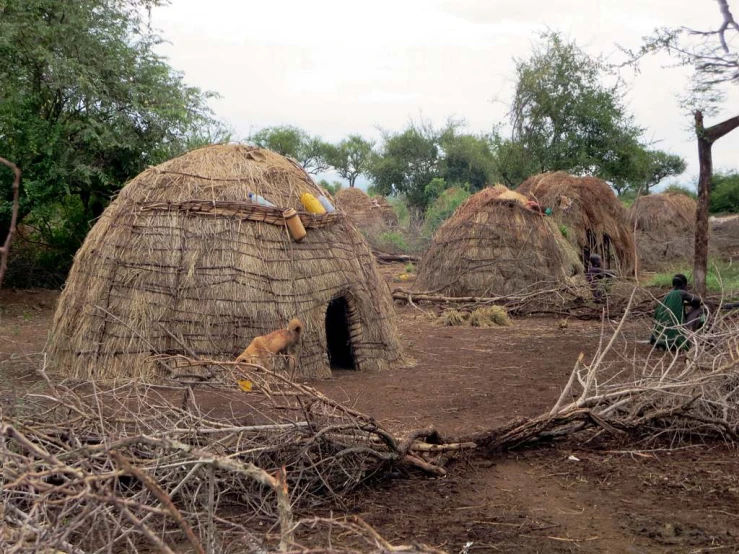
<point x="664" y="226"/>
<point x="368" y="214"/>
<point x="596" y="221"/>
<point x="495" y="246"/>
<point x="177" y="263"/>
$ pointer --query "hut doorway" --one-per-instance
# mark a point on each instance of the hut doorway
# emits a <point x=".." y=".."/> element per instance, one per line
<point x="338" y="338"/>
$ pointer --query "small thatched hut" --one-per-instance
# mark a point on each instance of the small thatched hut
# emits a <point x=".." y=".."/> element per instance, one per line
<point x="593" y="218"/>
<point x="370" y="214"/>
<point x="495" y="245"/>
<point x="182" y="256"/>
<point x="725" y="236"/>
<point x="664" y="227"/>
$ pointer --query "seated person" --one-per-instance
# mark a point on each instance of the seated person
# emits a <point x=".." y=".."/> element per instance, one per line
<point x="596" y="273"/>
<point x="669" y="316"/>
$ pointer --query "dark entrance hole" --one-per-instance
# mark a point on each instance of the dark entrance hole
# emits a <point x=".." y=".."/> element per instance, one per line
<point x="338" y="339"/>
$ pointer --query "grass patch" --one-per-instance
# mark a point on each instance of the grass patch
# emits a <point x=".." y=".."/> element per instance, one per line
<point x="721" y="276"/>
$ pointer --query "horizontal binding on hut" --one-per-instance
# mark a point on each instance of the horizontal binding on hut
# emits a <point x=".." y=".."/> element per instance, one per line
<point x="243" y="211"/>
<point x="182" y="262"/>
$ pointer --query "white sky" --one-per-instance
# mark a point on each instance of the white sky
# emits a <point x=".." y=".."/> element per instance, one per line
<point x="335" y="67"/>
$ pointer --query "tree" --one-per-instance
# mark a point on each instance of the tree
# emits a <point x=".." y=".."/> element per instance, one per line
<point x="352" y="157"/>
<point x="563" y="114"/>
<point x="564" y="117"/>
<point x="725" y="192"/>
<point x="467" y="159"/>
<point x="407" y="162"/>
<point x="715" y="61"/>
<point x="85" y="104"/>
<point x="310" y="152"/>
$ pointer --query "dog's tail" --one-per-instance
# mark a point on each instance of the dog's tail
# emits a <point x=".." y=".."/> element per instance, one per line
<point x="295" y="325"/>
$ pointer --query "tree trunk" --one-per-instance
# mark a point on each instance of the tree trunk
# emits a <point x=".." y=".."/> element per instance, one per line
<point x="706" y="137"/>
<point x="700" y="259"/>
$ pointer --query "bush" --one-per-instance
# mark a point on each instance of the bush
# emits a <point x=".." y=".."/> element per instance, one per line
<point x="725" y="193"/>
<point x="443" y="207"/>
<point x="679" y="189"/>
<point x="393" y="242"/>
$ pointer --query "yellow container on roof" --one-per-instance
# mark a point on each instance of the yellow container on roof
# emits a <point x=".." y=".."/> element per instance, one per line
<point x="311" y="203"/>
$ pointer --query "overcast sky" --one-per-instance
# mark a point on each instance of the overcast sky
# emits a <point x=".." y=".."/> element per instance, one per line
<point x="335" y="67"/>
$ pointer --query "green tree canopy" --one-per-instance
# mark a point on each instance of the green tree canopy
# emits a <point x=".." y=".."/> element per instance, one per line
<point x="421" y="161"/>
<point x="725" y="192"/>
<point x="86" y="104"/>
<point x="565" y="117"/>
<point x="311" y="152"/>
<point x="352" y="157"/>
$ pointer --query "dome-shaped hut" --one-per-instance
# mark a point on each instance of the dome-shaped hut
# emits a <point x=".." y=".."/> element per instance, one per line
<point x="664" y="226"/>
<point x="371" y="214"/>
<point x="181" y="258"/>
<point x="591" y="215"/>
<point x="495" y="244"/>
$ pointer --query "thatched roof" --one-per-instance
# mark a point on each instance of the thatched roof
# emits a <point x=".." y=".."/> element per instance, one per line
<point x="182" y="251"/>
<point x="725" y="236"/>
<point x="370" y="214"/>
<point x="493" y="245"/>
<point x="596" y="221"/>
<point x="664" y="227"/>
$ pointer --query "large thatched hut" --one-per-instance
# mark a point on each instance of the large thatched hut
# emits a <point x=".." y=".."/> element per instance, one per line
<point x="591" y="215"/>
<point x="181" y="258"/>
<point x="370" y="214"/>
<point x="664" y="226"/>
<point x="494" y="244"/>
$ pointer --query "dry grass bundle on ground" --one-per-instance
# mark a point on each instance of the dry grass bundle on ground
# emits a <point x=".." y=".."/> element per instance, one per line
<point x="370" y="214"/>
<point x="178" y="264"/>
<point x="595" y="221"/>
<point x="492" y="245"/>
<point x="725" y="236"/>
<point x="664" y="227"/>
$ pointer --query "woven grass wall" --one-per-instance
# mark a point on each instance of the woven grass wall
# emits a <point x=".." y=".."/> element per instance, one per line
<point x="596" y="221"/>
<point x="157" y="259"/>
<point x="664" y="229"/>
<point x="495" y="246"/>
<point x="369" y="214"/>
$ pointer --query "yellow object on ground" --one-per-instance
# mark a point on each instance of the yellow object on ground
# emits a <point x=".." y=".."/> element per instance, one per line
<point x="245" y="386"/>
<point x="311" y="203"/>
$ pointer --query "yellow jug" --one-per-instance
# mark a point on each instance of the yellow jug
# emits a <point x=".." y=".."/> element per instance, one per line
<point x="311" y="203"/>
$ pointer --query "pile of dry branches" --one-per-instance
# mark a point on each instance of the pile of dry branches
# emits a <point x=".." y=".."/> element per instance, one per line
<point x="132" y="466"/>
<point x="673" y="396"/>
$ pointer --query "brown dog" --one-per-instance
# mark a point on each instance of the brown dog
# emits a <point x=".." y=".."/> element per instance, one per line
<point x="263" y="349"/>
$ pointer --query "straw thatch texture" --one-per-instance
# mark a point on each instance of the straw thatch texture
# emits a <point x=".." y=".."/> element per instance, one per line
<point x="368" y="214"/>
<point x="160" y="262"/>
<point x="596" y="221"/>
<point x="664" y="226"/>
<point x="725" y="236"/>
<point x="492" y="245"/>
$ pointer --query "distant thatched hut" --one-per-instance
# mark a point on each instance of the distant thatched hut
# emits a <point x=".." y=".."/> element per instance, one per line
<point x="725" y="236"/>
<point x="370" y="214"/>
<point x="594" y="219"/>
<point x="495" y="245"/>
<point x="664" y="227"/>
<point x="182" y="256"/>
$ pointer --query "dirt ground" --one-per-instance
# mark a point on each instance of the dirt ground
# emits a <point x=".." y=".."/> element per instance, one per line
<point x="595" y="497"/>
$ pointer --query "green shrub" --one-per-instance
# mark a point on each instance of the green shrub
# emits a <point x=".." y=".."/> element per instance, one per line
<point x="410" y="268"/>
<point x="443" y="207"/>
<point x="679" y="189"/>
<point x="393" y="242"/>
<point x="400" y="206"/>
<point x="564" y="230"/>
<point x="725" y="193"/>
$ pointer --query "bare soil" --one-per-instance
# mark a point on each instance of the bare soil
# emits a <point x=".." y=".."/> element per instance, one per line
<point x="596" y="497"/>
